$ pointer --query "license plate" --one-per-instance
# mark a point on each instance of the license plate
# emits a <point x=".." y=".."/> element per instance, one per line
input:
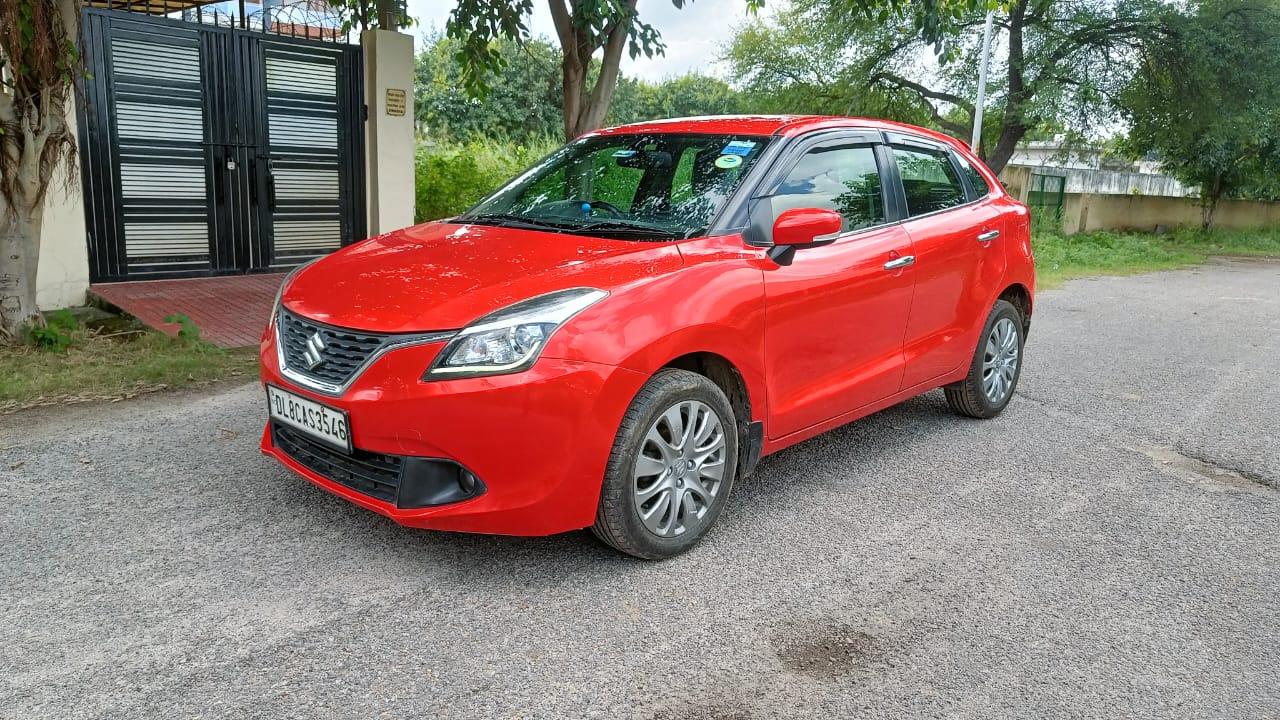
<point x="326" y="424"/>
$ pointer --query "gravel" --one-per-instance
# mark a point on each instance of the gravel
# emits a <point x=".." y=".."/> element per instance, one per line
<point x="1106" y="548"/>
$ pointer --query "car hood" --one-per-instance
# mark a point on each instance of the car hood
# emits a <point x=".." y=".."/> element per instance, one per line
<point x="442" y="276"/>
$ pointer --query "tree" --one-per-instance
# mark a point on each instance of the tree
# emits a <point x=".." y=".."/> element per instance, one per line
<point x="522" y="105"/>
<point x="1207" y="100"/>
<point x="690" y="94"/>
<point x="802" y="63"/>
<point x="39" y="63"/>
<point x="1065" y="59"/>
<point x="583" y="28"/>
<point x="366" y="14"/>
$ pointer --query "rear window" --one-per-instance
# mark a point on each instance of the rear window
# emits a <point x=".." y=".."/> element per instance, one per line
<point x="976" y="180"/>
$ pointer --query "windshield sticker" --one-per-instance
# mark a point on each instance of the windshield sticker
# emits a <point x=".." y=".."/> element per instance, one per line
<point x="738" y="147"/>
<point x="624" y="153"/>
<point x="725" y="162"/>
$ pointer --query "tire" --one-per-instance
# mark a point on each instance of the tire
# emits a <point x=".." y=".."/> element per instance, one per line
<point x="970" y="397"/>
<point x="634" y="485"/>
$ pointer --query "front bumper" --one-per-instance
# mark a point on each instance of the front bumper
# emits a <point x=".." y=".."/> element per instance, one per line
<point x="538" y="440"/>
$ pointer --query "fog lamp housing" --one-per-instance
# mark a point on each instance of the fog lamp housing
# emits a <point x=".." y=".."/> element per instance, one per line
<point x="425" y="482"/>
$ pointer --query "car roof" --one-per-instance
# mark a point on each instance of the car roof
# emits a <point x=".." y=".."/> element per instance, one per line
<point x="785" y="125"/>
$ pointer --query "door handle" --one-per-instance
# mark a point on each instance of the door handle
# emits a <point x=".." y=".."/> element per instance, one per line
<point x="988" y="236"/>
<point x="901" y="262"/>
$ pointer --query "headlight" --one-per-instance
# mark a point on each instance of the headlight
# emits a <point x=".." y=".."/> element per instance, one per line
<point x="510" y="339"/>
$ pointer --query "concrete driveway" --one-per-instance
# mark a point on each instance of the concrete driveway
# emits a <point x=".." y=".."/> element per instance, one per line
<point x="1107" y="548"/>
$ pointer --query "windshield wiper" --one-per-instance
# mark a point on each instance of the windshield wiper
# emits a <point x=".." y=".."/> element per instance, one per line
<point x="625" y="228"/>
<point x="519" y="221"/>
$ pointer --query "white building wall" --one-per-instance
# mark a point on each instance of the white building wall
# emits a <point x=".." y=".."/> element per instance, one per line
<point x="389" y="65"/>
<point x="62" y="278"/>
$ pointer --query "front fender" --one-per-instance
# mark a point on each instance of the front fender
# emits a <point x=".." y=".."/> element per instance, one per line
<point x="713" y="304"/>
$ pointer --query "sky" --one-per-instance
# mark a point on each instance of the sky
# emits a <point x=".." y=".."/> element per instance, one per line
<point x="693" y="35"/>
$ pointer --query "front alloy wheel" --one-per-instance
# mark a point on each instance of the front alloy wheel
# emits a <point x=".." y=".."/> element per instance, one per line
<point x="671" y="469"/>
<point x="680" y="469"/>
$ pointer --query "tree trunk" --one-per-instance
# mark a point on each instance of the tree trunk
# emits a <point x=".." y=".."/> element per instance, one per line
<point x="34" y="142"/>
<point x="574" y="81"/>
<point x="585" y="108"/>
<point x="1210" y="197"/>
<point x="1012" y="124"/>
<point x="19" y="259"/>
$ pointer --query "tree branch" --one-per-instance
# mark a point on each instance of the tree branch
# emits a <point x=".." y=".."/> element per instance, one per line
<point x="923" y="91"/>
<point x="924" y="94"/>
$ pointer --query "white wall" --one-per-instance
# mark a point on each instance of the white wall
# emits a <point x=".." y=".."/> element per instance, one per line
<point x="62" y="279"/>
<point x="388" y="61"/>
<point x="1101" y="182"/>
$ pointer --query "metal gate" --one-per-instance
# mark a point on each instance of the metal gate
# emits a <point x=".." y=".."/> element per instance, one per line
<point x="211" y="150"/>
<point x="1045" y="196"/>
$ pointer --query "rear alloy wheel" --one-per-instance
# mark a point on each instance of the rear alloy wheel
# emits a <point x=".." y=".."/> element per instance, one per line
<point x="672" y="466"/>
<point x="996" y="366"/>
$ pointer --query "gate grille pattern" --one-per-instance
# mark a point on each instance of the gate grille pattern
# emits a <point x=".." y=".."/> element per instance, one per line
<point x="212" y="150"/>
<point x="302" y="129"/>
<point x="160" y="130"/>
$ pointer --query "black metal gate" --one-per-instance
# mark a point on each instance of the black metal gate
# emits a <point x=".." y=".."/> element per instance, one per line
<point x="210" y="150"/>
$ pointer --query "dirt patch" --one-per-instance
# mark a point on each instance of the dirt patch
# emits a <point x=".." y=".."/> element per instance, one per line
<point x="1202" y="469"/>
<point x="832" y="651"/>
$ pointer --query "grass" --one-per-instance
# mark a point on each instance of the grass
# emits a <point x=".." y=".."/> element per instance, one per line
<point x="1062" y="257"/>
<point x="113" y="365"/>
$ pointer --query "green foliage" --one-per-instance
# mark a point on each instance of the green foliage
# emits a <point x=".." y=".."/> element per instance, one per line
<point x="802" y="62"/>
<point x="364" y="14"/>
<point x="585" y="29"/>
<point x="477" y="24"/>
<point x="931" y="20"/>
<point x="523" y="103"/>
<point x="838" y="56"/>
<point x="451" y="177"/>
<point x="1207" y="100"/>
<point x="1062" y="257"/>
<point x="187" y="329"/>
<point x="687" y="95"/>
<point x="57" y="334"/>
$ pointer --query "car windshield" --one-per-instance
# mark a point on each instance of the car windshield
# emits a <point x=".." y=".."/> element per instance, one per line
<point x="647" y="187"/>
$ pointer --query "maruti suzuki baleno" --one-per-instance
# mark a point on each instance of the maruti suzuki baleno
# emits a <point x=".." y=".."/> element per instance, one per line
<point x="620" y="333"/>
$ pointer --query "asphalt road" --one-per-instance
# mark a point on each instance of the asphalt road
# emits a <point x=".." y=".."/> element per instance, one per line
<point x="1107" y="548"/>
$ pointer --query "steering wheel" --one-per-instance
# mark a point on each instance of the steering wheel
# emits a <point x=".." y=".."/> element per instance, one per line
<point x="614" y="210"/>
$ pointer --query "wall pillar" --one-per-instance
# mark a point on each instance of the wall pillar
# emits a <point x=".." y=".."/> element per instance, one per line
<point x="388" y="76"/>
<point x="62" y="277"/>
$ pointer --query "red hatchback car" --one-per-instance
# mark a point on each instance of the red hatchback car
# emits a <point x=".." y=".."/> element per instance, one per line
<point x="621" y="332"/>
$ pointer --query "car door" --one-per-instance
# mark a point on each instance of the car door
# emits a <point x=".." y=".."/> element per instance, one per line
<point x="835" y="316"/>
<point x="954" y="233"/>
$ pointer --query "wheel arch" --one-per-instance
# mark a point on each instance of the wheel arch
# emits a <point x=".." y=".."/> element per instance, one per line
<point x="721" y="371"/>
<point x="1019" y="296"/>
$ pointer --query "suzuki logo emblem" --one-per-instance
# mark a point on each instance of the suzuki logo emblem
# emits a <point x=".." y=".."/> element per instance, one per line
<point x="314" y="354"/>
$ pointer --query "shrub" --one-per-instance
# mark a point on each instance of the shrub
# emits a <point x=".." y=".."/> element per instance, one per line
<point x="451" y="177"/>
<point x="187" y="329"/>
<point x="57" y="334"/>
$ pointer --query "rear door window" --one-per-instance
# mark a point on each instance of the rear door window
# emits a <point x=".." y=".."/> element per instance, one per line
<point x="929" y="181"/>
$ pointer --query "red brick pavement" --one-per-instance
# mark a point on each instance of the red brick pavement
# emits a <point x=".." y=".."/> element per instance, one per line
<point x="230" y="311"/>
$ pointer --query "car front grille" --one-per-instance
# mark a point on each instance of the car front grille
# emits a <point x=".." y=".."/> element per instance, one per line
<point x="373" y="474"/>
<point x="322" y="353"/>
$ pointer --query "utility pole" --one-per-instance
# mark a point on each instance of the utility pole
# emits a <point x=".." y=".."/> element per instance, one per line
<point x="982" y="82"/>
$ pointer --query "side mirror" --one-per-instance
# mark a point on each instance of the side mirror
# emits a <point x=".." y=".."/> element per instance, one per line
<point x="801" y="228"/>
